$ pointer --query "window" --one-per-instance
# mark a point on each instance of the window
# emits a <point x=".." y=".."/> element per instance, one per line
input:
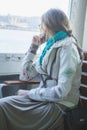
<point x="19" y="20"/>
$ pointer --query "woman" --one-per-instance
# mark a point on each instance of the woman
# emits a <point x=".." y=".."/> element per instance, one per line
<point x="59" y="66"/>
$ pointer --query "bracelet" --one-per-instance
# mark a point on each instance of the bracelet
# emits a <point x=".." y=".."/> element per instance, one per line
<point x="33" y="48"/>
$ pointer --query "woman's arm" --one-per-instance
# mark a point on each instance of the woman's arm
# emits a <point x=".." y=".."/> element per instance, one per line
<point x="28" y="70"/>
<point x="69" y="61"/>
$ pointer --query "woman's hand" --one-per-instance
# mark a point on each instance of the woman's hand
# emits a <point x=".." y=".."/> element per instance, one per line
<point x="22" y="92"/>
<point x="37" y="40"/>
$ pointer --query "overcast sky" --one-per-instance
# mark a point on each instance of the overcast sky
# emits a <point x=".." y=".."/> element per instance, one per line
<point x="30" y="7"/>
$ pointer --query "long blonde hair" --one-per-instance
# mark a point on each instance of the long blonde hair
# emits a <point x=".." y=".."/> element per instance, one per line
<point x="56" y="20"/>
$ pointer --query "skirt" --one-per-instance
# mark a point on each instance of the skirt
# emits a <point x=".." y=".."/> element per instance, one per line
<point x="23" y="113"/>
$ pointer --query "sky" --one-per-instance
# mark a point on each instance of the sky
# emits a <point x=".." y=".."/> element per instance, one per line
<point x="31" y="7"/>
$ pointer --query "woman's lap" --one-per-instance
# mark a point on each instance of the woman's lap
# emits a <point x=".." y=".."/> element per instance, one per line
<point x="23" y="113"/>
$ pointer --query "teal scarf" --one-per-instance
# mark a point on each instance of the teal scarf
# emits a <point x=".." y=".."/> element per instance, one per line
<point x="58" y="36"/>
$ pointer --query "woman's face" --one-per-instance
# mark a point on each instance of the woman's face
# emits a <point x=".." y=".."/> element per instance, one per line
<point x="44" y="31"/>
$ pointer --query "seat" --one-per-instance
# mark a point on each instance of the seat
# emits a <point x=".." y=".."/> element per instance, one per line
<point x="83" y="85"/>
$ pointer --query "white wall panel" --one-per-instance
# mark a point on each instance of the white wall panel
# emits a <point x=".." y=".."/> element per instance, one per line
<point x="10" y="63"/>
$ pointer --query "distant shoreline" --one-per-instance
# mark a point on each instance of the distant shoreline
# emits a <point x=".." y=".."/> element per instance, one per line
<point x="15" y="41"/>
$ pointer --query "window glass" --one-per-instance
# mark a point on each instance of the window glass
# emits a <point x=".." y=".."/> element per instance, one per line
<point x="19" y="20"/>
